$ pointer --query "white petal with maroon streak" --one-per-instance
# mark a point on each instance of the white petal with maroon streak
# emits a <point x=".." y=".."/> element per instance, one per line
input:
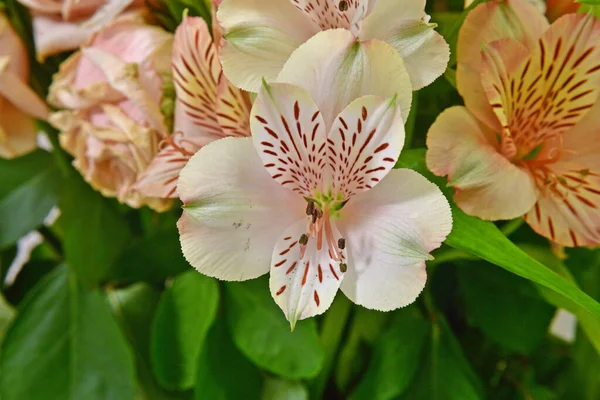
<point x="196" y="73"/>
<point x="260" y="37"/>
<point x="389" y="233"/>
<point x="289" y="135"/>
<point x="303" y="287"/>
<point x="234" y="212"/>
<point x="327" y="14"/>
<point x="364" y="144"/>
<point x="336" y="68"/>
<point x="233" y="109"/>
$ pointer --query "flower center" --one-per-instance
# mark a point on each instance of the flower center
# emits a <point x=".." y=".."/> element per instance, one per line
<point x="319" y="228"/>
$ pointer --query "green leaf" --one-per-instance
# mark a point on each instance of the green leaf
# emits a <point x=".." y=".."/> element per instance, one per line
<point x="223" y="372"/>
<point x="589" y="324"/>
<point x="29" y="188"/>
<point x="445" y="373"/>
<point x="281" y="389"/>
<point x="365" y="328"/>
<point x="150" y="259"/>
<point x="185" y="313"/>
<point x="94" y="232"/>
<point x="29" y="275"/>
<point x="260" y="330"/>
<point x="7" y="257"/>
<point x="506" y="308"/>
<point x="397" y="355"/>
<point x="65" y="344"/>
<point x="7" y="314"/>
<point x="134" y="307"/>
<point x="593" y="8"/>
<point x="590" y="2"/>
<point x="332" y="330"/>
<point x="584" y="375"/>
<point x="484" y="240"/>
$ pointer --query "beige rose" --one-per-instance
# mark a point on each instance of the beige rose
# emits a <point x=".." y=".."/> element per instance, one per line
<point x="111" y="92"/>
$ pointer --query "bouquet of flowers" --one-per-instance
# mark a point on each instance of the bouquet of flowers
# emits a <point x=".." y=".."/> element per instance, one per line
<point x="275" y="199"/>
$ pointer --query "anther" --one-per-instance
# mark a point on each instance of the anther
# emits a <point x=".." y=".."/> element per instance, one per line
<point x="303" y="239"/>
<point x="342" y="243"/>
<point x="343" y="267"/>
<point x="343" y="6"/>
<point x="310" y="208"/>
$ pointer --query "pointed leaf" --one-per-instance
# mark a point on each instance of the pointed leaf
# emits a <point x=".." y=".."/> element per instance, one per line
<point x="185" y="313"/>
<point x="223" y="372"/>
<point x="134" y="307"/>
<point x="260" y="331"/>
<point x="153" y="258"/>
<point x="505" y="307"/>
<point x="29" y="189"/>
<point x="95" y="233"/>
<point x="396" y="358"/>
<point x="484" y="240"/>
<point x="65" y="344"/>
<point x="446" y="374"/>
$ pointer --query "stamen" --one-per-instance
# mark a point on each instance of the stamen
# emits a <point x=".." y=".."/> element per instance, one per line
<point x="310" y="208"/>
<point x="170" y="140"/>
<point x="343" y="6"/>
<point x="343" y="267"/>
<point x="342" y="243"/>
<point x="303" y="239"/>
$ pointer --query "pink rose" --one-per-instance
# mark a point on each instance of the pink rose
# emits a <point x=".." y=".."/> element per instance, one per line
<point x="112" y="92"/>
<point x="18" y="103"/>
<point x="61" y="25"/>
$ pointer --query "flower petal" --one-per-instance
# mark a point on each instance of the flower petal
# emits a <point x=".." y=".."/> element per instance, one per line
<point x="424" y="51"/>
<point x="303" y="286"/>
<point x="261" y="35"/>
<point x="336" y="69"/>
<point x="389" y="233"/>
<point x="327" y="14"/>
<point x="289" y="135"/>
<point x="160" y="177"/>
<point x="52" y="35"/>
<point x="487" y="184"/>
<point x="196" y="73"/>
<point x="568" y="210"/>
<point x="123" y="77"/>
<point x="21" y="95"/>
<point x="233" y="109"/>
<point x="364" y="144"/>
<point x="18" y="132"/>
<point x="568" y="221"/>
<point x="486" y="23"/>
<point x="544" y="95"/>
<point x="233" y="211"/>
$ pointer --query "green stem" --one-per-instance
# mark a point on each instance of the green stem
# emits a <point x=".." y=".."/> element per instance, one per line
<point x="332" y="329"/>
<point x="409" y="128"/>
<point x="512" y="226"/>
<point x="52" y="241"/>
<point x="61" y="158"/>
<point x="450" y="255"/>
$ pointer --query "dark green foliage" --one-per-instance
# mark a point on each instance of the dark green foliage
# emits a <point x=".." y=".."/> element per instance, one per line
<point x="107" y="307"/>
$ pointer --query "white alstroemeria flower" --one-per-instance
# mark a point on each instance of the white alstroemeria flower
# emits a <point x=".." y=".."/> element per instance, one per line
<point x="317" y="203"/>
<point x="261" y="35"/>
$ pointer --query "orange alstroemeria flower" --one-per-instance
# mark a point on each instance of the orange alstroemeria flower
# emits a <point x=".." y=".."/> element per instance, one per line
<point x="528" y="141"/>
